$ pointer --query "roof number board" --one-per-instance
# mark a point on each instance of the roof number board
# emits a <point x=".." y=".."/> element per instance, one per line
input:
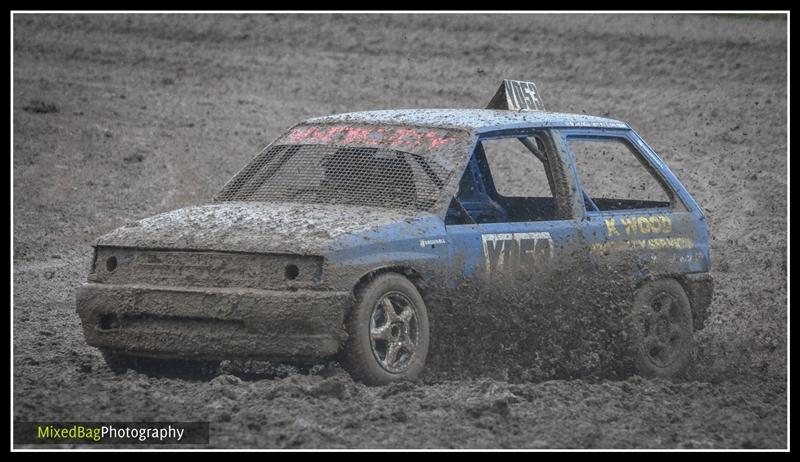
<point x="517" y="95"/>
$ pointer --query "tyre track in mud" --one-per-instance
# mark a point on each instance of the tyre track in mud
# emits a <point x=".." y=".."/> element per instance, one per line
<point x="157" y="112"/>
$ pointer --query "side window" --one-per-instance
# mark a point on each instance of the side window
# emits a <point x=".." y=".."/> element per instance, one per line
<point x="515" y="169"/>
<point x="614" y="177"/>
<point x="515" y="182"/>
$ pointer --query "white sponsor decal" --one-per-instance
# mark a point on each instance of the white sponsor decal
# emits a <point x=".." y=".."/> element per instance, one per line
<point x="427" y="242"/>
<point x="516" y="252"/>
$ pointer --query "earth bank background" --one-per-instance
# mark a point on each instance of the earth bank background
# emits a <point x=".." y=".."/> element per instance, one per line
<point x="118" y="117"/>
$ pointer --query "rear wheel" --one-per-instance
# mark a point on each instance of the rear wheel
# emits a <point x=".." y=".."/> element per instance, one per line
<point x="663" y="329"/>
<point x="388" y="332"/>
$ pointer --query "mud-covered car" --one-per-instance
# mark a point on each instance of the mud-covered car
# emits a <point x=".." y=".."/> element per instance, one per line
<point x="341" y="236"/>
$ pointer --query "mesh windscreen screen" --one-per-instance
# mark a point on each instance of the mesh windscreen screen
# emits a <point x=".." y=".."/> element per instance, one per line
<point x="328" y="174"/>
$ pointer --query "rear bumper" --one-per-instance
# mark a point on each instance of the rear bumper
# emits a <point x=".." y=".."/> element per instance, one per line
<point x="700" y="289"/>
<point x="213" y="323"/>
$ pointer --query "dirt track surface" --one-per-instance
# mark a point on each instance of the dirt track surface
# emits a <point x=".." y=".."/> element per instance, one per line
<point x="120" y="117"/>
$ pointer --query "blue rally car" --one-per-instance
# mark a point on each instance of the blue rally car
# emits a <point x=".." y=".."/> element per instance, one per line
<point x="341" y="238"/>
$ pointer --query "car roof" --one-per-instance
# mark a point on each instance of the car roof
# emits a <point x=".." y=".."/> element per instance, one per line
<point x="473" y="120"/>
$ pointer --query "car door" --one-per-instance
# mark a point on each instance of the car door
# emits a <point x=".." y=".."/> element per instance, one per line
<point x="517" y="250"/>
<point x="635" y="223"/>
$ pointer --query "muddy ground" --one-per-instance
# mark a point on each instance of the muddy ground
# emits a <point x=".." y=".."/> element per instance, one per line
<point x="119" y="117"/>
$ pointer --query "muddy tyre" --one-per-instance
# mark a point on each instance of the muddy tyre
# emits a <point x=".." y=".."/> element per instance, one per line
<point x="663" y="329"/>
<point x="118" y="363"/>
<point x="388" y="332"/>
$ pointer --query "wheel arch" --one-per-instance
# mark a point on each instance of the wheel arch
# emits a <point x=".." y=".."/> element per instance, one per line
<point x="410" y="273"/>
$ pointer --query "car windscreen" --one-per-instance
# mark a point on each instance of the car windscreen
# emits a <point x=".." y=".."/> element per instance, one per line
<point x="395" y="167"/>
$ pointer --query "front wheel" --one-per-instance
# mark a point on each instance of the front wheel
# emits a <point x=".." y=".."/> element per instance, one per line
<point x="663" y="329"/>
<point x="388" y="332"/>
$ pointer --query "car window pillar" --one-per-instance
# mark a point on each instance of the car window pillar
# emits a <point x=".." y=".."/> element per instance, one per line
<point x="568" y="196"/>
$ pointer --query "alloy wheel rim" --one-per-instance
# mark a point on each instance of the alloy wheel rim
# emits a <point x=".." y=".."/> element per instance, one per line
<point x="664" y="328"/>
<point x="394" y="332"/>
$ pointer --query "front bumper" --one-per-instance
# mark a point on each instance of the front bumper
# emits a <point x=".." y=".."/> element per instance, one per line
<point x="213" y="323"/>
